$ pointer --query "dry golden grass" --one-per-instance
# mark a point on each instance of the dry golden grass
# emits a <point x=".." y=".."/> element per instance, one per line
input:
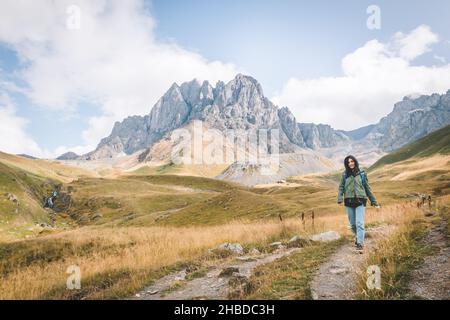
<point x="133" y="249"/>
<point x="46" y="168"/>
<point x="396" y="256"/>
<point x="413" y="167"/>
<point x="139" y="252"/>
<point x="401" y="253"/>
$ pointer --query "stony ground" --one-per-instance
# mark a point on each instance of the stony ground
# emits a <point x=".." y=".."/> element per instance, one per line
<point x="214" y="284"/>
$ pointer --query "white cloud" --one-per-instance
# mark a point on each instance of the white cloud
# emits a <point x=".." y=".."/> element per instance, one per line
<point x="375" y="77"/>
<point x="414" y="44"/>
<point x="14" y="138"/>
<point x="113" y="60"/>
<point x="440" y="58"/>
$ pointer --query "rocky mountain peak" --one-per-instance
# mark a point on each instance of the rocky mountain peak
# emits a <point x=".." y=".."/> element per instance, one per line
<point x="241" y="104"/>
<point x="196" y="94"/>
<point x="245" y="90"/>
<point x="411" y="119"/>
<point x="174" y="92"/>
<point x="246" y="81"/>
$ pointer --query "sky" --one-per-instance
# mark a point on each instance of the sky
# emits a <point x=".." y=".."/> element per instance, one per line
<point x="70" y="68"/>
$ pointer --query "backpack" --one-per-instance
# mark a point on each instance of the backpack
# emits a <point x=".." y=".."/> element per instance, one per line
<point x="362" y="173"/>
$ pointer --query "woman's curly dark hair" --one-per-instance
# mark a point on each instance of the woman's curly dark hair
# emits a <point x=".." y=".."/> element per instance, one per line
<point x="347" y="168"/>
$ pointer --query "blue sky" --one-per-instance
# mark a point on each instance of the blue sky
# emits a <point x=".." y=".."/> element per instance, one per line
<point x="275" y="40"/>
<point x="63" y="90"/>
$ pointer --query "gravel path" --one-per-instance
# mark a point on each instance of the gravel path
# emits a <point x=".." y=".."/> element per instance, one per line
<point x="337" y="278"/>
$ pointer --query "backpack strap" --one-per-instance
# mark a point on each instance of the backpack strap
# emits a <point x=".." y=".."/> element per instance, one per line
<point x="362" y="173"/>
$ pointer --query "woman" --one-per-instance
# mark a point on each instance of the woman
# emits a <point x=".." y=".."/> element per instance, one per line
<point x="354" y="187"/>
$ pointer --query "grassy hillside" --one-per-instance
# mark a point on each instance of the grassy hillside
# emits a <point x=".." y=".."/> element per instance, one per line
<point x="437" y="142"/>
<point x="423" y="162"/>
<point x="209" y="171"/>
<point x="185" y="201"/>
<point x="28" y="189"/>
<point x="149" y="198"/>
<point x="45" y="168"/>
<point x="29" y="181"/>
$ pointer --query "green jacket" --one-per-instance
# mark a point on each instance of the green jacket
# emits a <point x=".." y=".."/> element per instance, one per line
<point x="352" y="186"/>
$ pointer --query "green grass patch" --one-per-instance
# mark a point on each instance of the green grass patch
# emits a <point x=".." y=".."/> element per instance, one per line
<point x="187" y="181"/>
<point x="225" y="207"/>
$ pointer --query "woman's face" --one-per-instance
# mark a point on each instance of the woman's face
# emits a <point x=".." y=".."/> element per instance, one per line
<point x="351" y="164"/>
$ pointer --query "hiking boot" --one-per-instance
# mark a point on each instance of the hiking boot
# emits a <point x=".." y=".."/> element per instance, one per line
<point x="359" y="248"/>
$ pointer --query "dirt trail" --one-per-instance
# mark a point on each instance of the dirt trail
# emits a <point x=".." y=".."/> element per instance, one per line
<point x="431" y="280"/>
<point x="213" y="285"/>
<point x="337" y="278"/>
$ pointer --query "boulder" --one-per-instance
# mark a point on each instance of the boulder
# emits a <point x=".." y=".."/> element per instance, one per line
<point x="181" y="276"/>
<point x="275" y="244"/>
<point x="297" y="242"/>
<point x="45" y="225"/>
<point x="278" y="246"/>
<point x="12" y="197"/>
<point x="97" y="216"/>
<point x="235" y="248"/>
<point x="326" y="236"/>
<point x="152" y="292"/>
<point x="228" y="271"/>
<point x="240" y="286"/>
<point x="83" y="219"/>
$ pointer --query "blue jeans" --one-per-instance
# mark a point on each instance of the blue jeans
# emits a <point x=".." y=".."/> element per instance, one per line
<point x="356" y="220"/>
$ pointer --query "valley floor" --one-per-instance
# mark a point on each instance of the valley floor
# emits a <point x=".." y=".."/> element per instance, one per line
<point x="152" y="235"/>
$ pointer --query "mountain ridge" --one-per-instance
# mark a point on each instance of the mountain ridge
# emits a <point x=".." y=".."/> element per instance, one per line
<point x="437" y="142"/>
<point x="241" y="104"/>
